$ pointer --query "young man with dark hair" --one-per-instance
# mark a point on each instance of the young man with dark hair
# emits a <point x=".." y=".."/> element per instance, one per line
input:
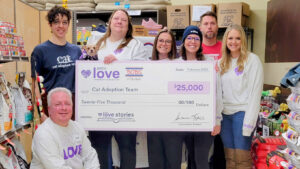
<point x="55" y="58"/>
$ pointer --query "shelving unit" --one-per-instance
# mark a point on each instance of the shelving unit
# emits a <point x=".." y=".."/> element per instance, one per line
<point x="87" y="19"/>
<point x="4" y="59"/>
<point x="12" y="133"/>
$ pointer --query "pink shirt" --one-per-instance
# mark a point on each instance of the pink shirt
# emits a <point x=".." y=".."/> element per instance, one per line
<point x="214" y="52"/>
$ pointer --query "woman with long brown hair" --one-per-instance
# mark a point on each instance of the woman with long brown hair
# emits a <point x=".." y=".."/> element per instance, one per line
<point x="118" y="44"/>
<point x="199" y="143"/>
<point x="164" y="148"/>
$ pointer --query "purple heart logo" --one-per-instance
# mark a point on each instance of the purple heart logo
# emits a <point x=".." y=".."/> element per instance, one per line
<point x="237" y="72"/>
<point x="118" y="51"/>
<point x="85" y="73"/>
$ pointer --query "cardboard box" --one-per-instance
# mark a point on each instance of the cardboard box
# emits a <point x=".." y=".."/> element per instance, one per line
<point x="197" y="11"/>
<point x="138" y="30"/>
<point x="233" y="13"/>
<point x="178" y="17"/>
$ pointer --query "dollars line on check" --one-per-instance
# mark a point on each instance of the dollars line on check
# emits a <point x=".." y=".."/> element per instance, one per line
<point x="135" y="102"/>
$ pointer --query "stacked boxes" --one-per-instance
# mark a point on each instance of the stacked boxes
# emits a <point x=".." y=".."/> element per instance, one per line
<point x="139" y="30"/>
<point x="182" y="16"/>
<point x="233" y="13"/>
<point x="178" y="16"/>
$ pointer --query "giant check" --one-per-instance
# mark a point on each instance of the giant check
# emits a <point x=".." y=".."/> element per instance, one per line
<point x="151" y="96"/>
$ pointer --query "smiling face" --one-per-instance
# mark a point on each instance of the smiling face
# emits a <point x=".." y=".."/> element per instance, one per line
<point x="234" y="42"/>
<point x="119" y="23"/>
<point x="59" y="27"/>
<point x="60" y="108"/>
<point x="164" y="44"/>
<point x="192" y="43"/>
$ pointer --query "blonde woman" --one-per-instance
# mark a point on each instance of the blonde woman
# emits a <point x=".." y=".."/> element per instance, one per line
<point x="242" y="82"/>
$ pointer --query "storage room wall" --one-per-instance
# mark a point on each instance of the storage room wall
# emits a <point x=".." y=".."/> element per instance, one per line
<point x="7" y="13"/>
<point x="28" y="26"/>
<point x="258" y="19"/>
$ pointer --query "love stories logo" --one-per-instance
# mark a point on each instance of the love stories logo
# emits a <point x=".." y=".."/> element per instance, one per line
<point x="100" y="73"/>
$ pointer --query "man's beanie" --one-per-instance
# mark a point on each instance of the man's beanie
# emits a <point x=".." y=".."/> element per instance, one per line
<point x="191" y="30"/>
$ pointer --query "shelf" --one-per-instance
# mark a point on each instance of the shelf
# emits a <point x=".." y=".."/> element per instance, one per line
<point x="11" y="133"/>
<point x="4" y="59"/>
<point x="87" y="19"/>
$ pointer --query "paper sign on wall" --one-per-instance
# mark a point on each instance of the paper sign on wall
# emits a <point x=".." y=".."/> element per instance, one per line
<point x="198" y="11"/>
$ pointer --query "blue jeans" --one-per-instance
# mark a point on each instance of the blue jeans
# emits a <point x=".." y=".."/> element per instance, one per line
<point x="232" y="132"/>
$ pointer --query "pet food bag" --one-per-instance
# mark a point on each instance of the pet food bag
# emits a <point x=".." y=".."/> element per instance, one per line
<point x="8" y="102"/>
<point x="6" y="161"/>
<point x="19" y="148"/>
<point x="5" y="121"/>
<point x="23" y="115"/>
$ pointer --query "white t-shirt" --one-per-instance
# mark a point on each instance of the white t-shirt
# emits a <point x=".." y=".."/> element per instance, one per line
<point x="133" y="51"/>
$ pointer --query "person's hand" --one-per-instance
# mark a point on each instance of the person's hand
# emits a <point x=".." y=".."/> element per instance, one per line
<point x="43" y="117"/>
<point x="216" y="130"/>
<point x="109" y="59"/>
<point x="217" y="68"/>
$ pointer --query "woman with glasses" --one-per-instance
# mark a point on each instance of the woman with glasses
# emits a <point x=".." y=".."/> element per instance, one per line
<point x="164" y="148"/>
<point x="199" y="143"/>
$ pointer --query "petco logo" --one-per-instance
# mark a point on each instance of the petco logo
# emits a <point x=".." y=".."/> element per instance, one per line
<point x="134" y="71"/>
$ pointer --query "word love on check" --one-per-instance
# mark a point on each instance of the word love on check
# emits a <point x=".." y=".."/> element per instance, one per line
<point x="146" y="96"/>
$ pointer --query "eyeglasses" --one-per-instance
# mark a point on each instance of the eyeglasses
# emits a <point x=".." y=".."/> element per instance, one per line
<point x="164" y="41"/>
<point x="193" y="38"/>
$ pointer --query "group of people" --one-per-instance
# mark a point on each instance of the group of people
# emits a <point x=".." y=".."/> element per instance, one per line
<point x="61" y="143"/>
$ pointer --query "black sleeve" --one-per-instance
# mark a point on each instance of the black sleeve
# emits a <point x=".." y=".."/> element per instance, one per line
<point x="32" y="62"/>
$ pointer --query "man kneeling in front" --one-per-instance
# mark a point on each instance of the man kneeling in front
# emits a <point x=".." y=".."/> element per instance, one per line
<point x="59" y="142"/>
